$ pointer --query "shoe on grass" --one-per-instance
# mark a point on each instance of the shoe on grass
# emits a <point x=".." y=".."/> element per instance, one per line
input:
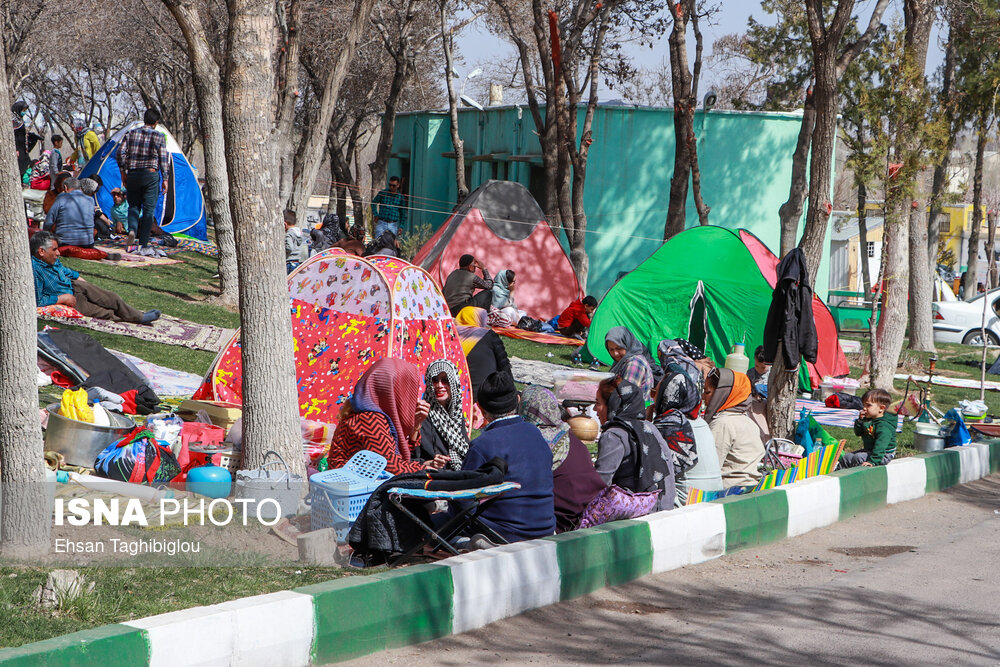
<point x="149" y="317"/>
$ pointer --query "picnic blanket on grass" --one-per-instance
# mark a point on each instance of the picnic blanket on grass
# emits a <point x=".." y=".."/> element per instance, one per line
<point x="945" y="381"/>
<point x="130" y="260"/>
<point x="537" y="336"/>
<point x="167" y="330"/>
<point x="832" y="416"/>
<point x="193" y="245"/>
<point x="164" y="381"/>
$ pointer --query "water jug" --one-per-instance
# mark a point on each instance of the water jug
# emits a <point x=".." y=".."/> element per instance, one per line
<point x="736" y="361"/>
<point x="209" y="480"/>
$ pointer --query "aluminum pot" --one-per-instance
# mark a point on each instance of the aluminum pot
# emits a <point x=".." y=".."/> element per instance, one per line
<point x="927" y="442"/>
<point x="80" y="442"/>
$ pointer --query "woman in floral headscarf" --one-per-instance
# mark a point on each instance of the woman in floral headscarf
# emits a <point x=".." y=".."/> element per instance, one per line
<point x="575" y="481"/>
<point x="445" y="430"/>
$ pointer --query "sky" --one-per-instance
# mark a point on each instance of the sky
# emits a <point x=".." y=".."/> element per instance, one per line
<point x="478" y="47"/>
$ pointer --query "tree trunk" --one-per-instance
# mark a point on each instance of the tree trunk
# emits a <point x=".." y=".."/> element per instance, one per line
<point x="919" y="16"/>
<point x="207" y="89"/>
<point x="270" y="398"/>
<point x="25" y="513"/>
<point x="380" y="165"/>
<point x="283" y="132"/>
<point x="895" y="283"/>
<point x="866" y="271"/>
<point x="677" y="206"/>
<point x="781" y="389"/>
<point x="899" y="294"/>
<point x="312" y="154"/>
<point x="972" y="260"/>
<point x="921" y="285"/>
<point x="991" y="240"/>
<point x="941" y="169"/>
<point x="790" y="212"/>
<point x="680" y="78"/>
<point x="461" y="187"/>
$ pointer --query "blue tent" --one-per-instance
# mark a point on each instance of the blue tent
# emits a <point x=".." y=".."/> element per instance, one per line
<point x="181" y="210"/>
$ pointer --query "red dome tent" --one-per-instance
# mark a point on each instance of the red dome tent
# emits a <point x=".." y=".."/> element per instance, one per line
<point x="503" y="226"/>
<point x="347" y="312"/>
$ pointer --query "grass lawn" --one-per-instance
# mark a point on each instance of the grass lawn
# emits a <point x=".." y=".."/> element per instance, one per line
<point x="123" y="594"/>
<point x="184" y="291"/>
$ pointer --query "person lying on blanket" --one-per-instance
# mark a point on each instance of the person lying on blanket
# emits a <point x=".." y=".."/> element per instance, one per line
<point x="55" y="283"/>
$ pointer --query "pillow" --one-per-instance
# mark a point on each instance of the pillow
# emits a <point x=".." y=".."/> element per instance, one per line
<point x="59" y="310"/>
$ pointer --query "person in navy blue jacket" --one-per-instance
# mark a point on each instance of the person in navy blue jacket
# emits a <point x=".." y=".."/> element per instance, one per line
<point x="528" y="512"/>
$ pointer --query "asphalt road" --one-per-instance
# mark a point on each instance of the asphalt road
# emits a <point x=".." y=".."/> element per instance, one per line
<point x="916" y="583"/>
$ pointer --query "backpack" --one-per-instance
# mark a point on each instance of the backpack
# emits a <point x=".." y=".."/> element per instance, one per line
<point x="529" y="324"/>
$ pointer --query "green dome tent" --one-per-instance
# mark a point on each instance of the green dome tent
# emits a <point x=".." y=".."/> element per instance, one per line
<point x="712" y="286"/>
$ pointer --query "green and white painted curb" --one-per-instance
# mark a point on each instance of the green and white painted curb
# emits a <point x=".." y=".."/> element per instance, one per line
<point x="356" y="616"/>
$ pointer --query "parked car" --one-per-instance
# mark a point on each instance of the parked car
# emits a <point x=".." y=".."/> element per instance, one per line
<point x="961" y="321"/>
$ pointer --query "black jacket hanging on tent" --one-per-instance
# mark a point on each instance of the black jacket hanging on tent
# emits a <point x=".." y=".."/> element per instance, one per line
<point x="790" y="317"/>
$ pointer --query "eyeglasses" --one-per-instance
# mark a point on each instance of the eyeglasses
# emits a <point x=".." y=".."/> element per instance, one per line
<point x="440" y="379"/>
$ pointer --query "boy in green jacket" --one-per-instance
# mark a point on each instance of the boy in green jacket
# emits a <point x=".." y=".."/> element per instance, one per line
<point x="877" y="429"/>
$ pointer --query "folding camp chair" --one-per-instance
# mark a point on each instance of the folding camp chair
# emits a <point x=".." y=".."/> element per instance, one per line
<point x="466" y="517"/>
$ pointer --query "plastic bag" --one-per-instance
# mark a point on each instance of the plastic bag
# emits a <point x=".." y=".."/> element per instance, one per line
<point x="957" y="434"/>
<point x="74" y="405"/>
<point x="166" y="427"/>
<point x="316" y="439"/>
<point x="138" y="458"/>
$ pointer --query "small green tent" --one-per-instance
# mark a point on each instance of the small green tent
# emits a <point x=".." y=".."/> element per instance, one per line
<point x="713" y="287"/>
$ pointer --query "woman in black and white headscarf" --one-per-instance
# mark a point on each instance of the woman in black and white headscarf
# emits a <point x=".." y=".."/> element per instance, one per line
<point x="445" y="430"/>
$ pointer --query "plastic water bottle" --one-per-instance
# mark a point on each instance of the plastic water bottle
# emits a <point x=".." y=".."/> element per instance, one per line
<point x="736" y="361"/>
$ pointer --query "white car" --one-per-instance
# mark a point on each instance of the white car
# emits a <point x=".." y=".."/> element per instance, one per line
<point x="961" y="321"/>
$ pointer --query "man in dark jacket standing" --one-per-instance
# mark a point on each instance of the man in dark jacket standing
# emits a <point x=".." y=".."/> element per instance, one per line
<point x="528" y="512"/>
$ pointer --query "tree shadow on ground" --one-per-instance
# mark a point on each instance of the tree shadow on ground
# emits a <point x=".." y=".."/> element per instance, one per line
<point x="721" y="626"/>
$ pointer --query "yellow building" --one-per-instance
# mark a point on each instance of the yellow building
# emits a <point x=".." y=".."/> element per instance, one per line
<point x="954" y="226"/>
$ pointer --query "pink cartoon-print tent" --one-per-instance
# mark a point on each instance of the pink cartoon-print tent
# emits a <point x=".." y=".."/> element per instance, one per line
<point x="347" y="312"/>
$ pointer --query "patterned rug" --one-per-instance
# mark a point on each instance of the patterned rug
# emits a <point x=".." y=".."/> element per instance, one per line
<point x="537" y="336"/>
<point x="167" y="330"/>
<point x="130" y="260"/>
<point x="183" y="245"/>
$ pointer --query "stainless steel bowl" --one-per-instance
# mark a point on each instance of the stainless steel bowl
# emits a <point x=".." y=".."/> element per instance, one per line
<point x="80" y="442"/>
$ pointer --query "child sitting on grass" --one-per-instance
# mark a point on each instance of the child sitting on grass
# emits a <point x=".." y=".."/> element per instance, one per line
<point x="877" y="429"/>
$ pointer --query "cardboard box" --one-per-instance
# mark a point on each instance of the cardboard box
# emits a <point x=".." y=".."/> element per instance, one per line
<point x="220" y="412"/>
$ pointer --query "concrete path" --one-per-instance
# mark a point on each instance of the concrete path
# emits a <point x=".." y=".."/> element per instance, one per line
<point x="914" y="583"/>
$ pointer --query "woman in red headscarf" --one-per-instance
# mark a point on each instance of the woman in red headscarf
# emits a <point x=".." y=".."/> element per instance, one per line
<point x="384" y="415"/>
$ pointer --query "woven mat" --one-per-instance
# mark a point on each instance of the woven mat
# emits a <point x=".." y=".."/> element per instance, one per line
<point x="167" y="330"/>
